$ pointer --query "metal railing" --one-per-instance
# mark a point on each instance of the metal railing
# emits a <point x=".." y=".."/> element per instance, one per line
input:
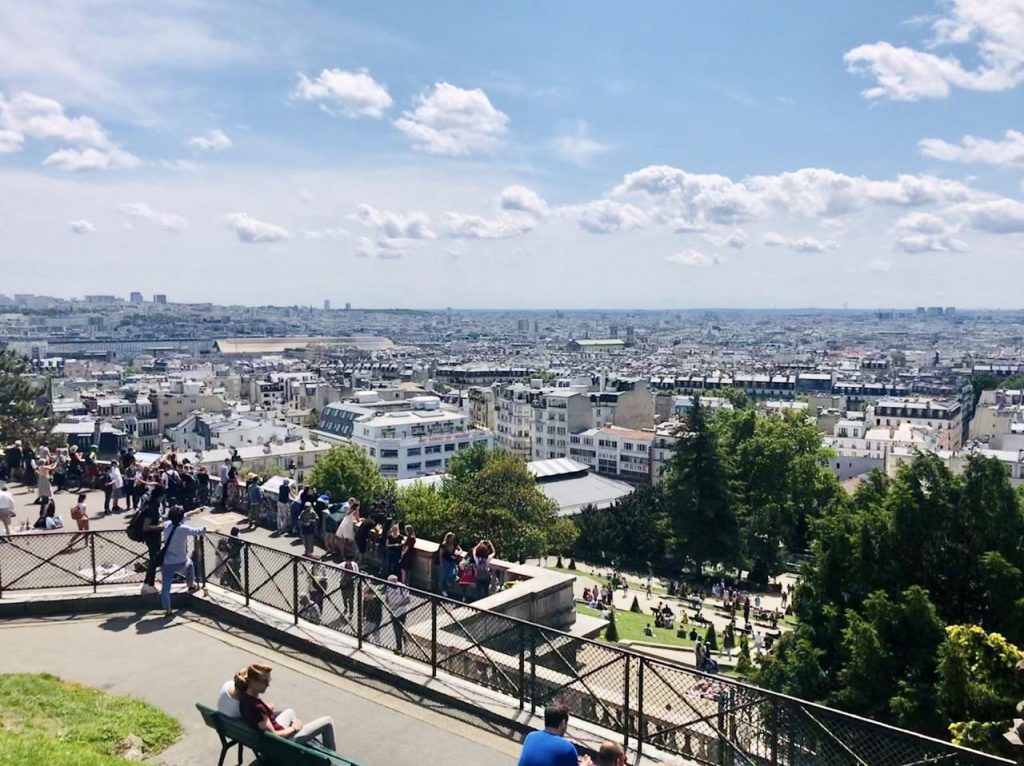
<point x="707" y="718"/>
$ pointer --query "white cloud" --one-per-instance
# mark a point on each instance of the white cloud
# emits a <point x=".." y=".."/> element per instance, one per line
<point x="799" y="244"/>
<point x="11" y="141"/>
<point x="505" y="226"/>
<point x="167" y="221"/>
<point x="81" y="227"/>
<point x="523" y="200"/>
<point x="250" y="230"/>
<point x="1007" y="152"/>
<point x="384" y="248"/>
<point x="929" y="243"/>
<point x="1001" y="216"/>
<point x="690" y="197"/>
<point x="92" y="159"/>
<point x="577" y="147"/>
<point x="693" y="259"/>
<point x="355" y="94"/>
<point x="605" y="216"/>
<point x="27" y="115"/>
<point x="994" y="29"/>
<point x="213" y="140"/>
<point x="736" y="239"/>
<point x="326" y="234"/>
<point x="453" y="121"/>
<point x="412" y="225"/>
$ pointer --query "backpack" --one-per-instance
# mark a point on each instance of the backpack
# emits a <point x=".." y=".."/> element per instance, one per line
<point x="134" y="530"/>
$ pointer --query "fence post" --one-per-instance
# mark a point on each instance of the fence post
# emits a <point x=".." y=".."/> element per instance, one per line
<point x="359" y="611"/>
<point x="626" y="717"/>
<point x="201" y="547"/>
<point x="522" y="665"/>
<point x="533" y="670"/>
<point x="433" y="637"/>
<point x="775" y="732"/>
<point x="722" y="734"/>
<point x="92" y="560"/>
<point x="295" y="590"/>
<point x="245" y="572"/>
<point x="641" y="724"/>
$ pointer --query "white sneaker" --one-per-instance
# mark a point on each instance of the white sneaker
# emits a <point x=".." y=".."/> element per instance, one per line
<point x="148" y="589"/>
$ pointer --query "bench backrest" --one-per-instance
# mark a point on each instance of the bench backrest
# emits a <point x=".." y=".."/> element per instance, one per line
<point x="232" y="728"/>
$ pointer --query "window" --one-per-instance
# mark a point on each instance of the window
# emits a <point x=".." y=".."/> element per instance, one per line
<point x="413" y="466"/>
<point x="449" y="448"/>
<point x="413" y="451"/>
<point x="433" y="464"/>
<point x="388" y="468"/>
<point x="463" y="445"/>
<point x="373" y="452"/>
<point x="389" y="453"/>
<point x="432" y="449"/>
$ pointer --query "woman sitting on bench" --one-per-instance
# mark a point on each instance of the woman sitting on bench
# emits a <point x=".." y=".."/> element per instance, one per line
<point x="263" y="716"/>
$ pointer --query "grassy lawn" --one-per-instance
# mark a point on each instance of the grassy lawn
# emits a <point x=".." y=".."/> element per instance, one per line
<point x="582" y="572"/>
<point x="631" y="628"/>
<point x="45" y="721"/>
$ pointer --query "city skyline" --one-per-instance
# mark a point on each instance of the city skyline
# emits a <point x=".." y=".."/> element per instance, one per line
<point x="532" y="157"/>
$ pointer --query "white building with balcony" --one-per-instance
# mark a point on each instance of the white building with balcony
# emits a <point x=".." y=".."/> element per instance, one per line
<point x="418" y="440"/>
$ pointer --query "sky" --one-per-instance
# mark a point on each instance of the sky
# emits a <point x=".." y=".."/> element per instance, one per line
<point x="579" y="154"/>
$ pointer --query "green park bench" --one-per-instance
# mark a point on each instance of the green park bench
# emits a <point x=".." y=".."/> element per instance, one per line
<point x="268" y="749"/>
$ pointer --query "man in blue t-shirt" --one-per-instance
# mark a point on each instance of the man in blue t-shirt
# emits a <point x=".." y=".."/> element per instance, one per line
<point x="549" y="747"/>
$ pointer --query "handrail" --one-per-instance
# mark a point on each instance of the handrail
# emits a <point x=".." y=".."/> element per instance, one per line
<point x="727" y="718"/>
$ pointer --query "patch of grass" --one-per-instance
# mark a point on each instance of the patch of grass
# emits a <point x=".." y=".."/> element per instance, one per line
<point x="631" y="628"/>
<point x="46" y="720"/>
<point x="584" y="571"/>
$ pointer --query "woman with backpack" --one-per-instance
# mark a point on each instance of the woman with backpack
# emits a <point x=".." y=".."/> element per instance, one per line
<point x="482" y="555"/>
<point x="173" y="557"/>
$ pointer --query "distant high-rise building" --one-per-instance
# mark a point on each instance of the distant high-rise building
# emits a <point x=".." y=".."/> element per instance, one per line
<point x="613" y="331"/>
<point x="159" y="298"/>
<point x="950" y="310"/>
<point x="348" y="306"/>
<point x="327" y="305"/>
<point x="100" y="299"/>
<point x="136" y="298"/>
<point x="523" y="325"/>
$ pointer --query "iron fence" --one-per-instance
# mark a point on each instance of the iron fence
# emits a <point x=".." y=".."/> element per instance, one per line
<point x="709" y="719"/>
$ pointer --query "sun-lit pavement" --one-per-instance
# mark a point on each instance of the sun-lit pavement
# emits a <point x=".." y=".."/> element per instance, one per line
<point x="176" y="663"/>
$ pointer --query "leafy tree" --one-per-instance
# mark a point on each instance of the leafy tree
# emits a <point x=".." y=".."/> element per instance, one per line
<point x="313" y="418"/>
<point x="632" y="533"/>
<point x="20" y="415"/>
<point x="347" y="471"/>
<point x="698" y="496"/>
<point x="430" y="513"/>
<point x="977" y="684"/>
<point x="735" y="397"/>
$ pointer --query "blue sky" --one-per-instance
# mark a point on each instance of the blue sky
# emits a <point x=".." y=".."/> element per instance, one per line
<point x="530" y="154"/>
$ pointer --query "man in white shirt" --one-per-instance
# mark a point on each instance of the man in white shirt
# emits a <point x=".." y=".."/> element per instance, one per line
<point x="175" y="554"/>
<point x="116" y="485"/>
<point x="6" y="508"/>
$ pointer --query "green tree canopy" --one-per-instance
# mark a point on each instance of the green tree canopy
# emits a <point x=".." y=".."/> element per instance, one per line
<point x="699" y="498"/>
<point x="20" y="415"/>
<point x="346" y="471"/>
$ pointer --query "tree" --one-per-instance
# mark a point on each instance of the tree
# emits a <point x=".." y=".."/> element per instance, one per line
<point x="20" y="415"/>
<point x="977" y="684"/>
<point x="632" y="533"/>
<point x="313" y="418"/>
<point x="429" y="512"/>
<point x="698" y="496"/>
<point x="497" y="498"/>
<point x="346" y="471"/>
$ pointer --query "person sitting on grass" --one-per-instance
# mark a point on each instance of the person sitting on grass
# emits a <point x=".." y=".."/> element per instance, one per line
<point x="262" y="715"/>
<point x="648" y="631"/>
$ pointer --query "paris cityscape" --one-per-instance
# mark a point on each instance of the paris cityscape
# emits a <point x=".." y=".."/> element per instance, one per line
<point x="581" y="384"/>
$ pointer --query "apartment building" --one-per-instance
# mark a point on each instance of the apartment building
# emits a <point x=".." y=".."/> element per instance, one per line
<point x="622" y="453"/>
<point x="557" y="413"/>
<point x="482" y="407"/>
<point x="418" y="440"/>
<point x="942" y="415"/>
<point x="514" y="419"/>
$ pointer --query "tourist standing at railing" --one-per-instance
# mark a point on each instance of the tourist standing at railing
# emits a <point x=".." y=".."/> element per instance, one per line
<point x="449" y="554"/>
<point x="225" y="471"/>
<point x="13" y="460"/>
<point x="308" y="523"/>
<point x="284" y="501"/>
<point x="173" y="556"/>
<point x="349" y="570"/>
<point x="408" y="555"/>
<point x="393" y="550"/>
<point x="372" y="613"/>
<point x="44" y="490"/>
<point x="254" y="499"/>
<point x="397" y="598"/>
<point x="610" y="754"/>
<point x="152" y="529"/>
<point x="482" y="555"/>
<point x="203" y="485"/>
<point x="347" y="527"/>
<point x="6" y="509"/>
<point x="549" y="747"/>
<point x="80" y="515"/>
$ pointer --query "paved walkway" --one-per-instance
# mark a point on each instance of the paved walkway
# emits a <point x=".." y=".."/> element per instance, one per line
<point x="175" y="663"/>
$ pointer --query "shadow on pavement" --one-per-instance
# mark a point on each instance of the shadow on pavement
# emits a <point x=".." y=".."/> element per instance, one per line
<point x="121" y="622"/>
